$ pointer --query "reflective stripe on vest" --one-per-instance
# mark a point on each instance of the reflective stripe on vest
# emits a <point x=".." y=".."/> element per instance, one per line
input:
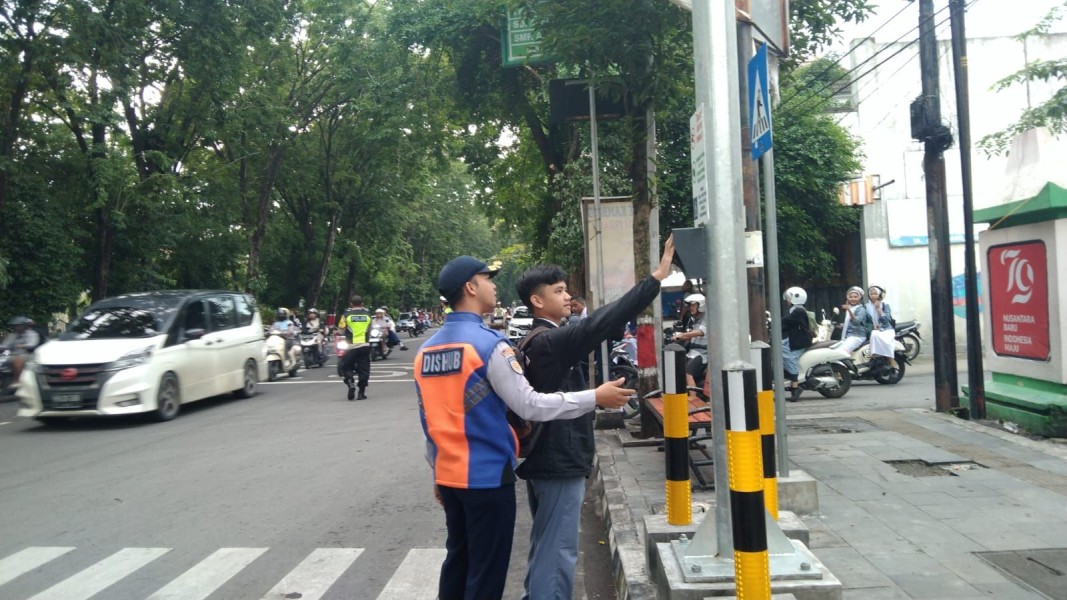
<point x="461" y="415"/>
<point x="356" y="322"/>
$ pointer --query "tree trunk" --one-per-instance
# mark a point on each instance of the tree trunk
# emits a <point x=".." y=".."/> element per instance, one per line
<point x="105" y="240"/>
<point x="327" y="253"/>
<point x="11" y="127"/>
<point x="643" y="198"/>
<point x="266" y="189"/>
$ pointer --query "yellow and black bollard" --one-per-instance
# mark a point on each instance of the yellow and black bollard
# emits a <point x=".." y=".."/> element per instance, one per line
<point x="770" y="470"/>
<point x="676" y="436"/>
<point x="745" y="465"/>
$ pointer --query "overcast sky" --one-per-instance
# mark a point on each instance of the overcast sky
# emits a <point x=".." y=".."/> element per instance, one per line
<point x="985" y="18"/>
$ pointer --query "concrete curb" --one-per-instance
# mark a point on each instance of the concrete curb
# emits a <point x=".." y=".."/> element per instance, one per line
<point x="613" y="498"/>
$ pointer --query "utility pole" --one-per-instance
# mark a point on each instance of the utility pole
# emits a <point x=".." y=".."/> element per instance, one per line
<point x="757" y="296"/>
<point x="715" y="64"/>
<point x="926" y="126"/>
<point x="975" y="379"/>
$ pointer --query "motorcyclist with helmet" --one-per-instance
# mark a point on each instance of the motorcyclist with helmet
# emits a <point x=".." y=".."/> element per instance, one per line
<point x="22" y="341"/>
<point x="697" y="365"/>
<point x="312" y="325"/>
<point x="796" y="337"/>
<point x="288" y="329"/>
<point x="385" y="323"/>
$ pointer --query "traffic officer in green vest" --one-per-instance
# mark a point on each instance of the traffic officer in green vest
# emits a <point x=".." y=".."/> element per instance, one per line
<point x="355" y="322"/>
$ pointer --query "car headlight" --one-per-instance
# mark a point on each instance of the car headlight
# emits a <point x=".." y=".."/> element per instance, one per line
<point x="134" y="358"/>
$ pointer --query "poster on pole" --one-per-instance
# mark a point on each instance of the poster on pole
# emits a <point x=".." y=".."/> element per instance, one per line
<point x="617" y="242"/>
<point x="697" y="163"/>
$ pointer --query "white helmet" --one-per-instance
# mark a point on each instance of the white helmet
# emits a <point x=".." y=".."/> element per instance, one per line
<point x="696" y="299"/>
<point x="795" y="295"/>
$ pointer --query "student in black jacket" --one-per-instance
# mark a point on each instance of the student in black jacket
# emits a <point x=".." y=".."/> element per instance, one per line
<point x="556" y="468"/>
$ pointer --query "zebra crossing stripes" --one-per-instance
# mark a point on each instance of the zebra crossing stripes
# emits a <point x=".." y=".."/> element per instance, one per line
<point x="198" y="582"/>
<point x="417" y="576"/>
<point x="103" y="574"/>
<point x="312" y="577"/>
<point x="27" y="560"/>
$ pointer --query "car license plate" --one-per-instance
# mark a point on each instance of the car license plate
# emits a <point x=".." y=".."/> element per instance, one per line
<point x="67" y="401"/>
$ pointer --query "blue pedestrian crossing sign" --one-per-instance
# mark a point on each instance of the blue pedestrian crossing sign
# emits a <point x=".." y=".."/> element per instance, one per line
<point x="759" y="104"/>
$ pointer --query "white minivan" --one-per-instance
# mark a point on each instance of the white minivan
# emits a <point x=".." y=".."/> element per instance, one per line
<point x="149" y="352"/>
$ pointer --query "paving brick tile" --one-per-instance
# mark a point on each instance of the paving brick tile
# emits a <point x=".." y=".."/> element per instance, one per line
<point x="1008" y="591"/>
<point x="942" y="586"/>
<point x="852" y="568"/>
<point x="857" y="488"/>
<point x="1006" y="540"/>
<point x="930" y="499"/>
<point x="880" y="593"/>
<point x="975" y="570"/>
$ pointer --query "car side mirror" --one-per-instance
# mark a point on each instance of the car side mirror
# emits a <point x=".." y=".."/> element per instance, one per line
<point x="194" y="334"/>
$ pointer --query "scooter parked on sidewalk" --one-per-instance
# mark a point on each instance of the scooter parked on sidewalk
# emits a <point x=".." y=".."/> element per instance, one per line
<point x="279" y="359"/>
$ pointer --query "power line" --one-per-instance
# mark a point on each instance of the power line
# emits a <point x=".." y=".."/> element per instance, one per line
<point x="848" y="73"/>
<point x="898" y="69"/>
<point x="860" y="101"/>
<point x="843" y="56"/>
<point x="822" y="101"/>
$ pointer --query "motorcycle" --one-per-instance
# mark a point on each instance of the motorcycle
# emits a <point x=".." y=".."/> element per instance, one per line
<point x="824" y="368"/>
<point x="669" y="331"/>
<point x="313" y="348"/>
<point x="865" y="367"/>
<point x="421" y="325"/>
<point x="278" y="358"/>
<point x="377" y="339"/>
<point x="409" y="322"/>
<point x="908" y="335"/>
<point x="622" y="366"/>
<point x="6" y="372"/>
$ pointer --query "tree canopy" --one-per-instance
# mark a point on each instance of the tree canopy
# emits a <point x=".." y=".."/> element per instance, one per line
<point x="1051" y="113"/>
<point x="309" y="149"/>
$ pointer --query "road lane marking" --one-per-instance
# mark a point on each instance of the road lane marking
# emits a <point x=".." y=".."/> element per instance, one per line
<point x="6" y="423"/>
<point x="28" y="559"/>
<point x="417" y="576"/>
<point x="314" y="576"/>
<point x="103" y="574"/>
<point x="208" y="575"/>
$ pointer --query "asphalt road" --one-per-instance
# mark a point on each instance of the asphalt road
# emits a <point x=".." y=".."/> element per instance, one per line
<point x="294" y="491"/>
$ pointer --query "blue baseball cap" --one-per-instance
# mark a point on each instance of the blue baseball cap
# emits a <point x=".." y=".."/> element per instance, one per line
<point x="459" y="271"/>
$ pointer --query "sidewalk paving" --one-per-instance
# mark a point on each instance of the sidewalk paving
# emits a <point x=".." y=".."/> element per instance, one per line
<point x="887" y="529"/>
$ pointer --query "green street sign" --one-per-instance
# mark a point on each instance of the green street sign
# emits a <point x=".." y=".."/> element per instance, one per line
<point x="520" y="41"/>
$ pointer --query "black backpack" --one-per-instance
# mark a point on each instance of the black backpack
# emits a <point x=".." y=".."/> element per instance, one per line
<point x="528" y="432"/>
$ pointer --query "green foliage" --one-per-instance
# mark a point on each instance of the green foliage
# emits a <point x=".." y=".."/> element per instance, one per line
<point x="816" y="23"/>
<point x="308" y="149"/>
<point x="1051" y="113"/>
<point x="813" y="156"/>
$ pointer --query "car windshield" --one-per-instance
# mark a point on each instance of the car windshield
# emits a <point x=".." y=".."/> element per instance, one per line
<point x="521" y="313"/>
<point x="405" y="316"/>
<point x="131" y="318"/>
